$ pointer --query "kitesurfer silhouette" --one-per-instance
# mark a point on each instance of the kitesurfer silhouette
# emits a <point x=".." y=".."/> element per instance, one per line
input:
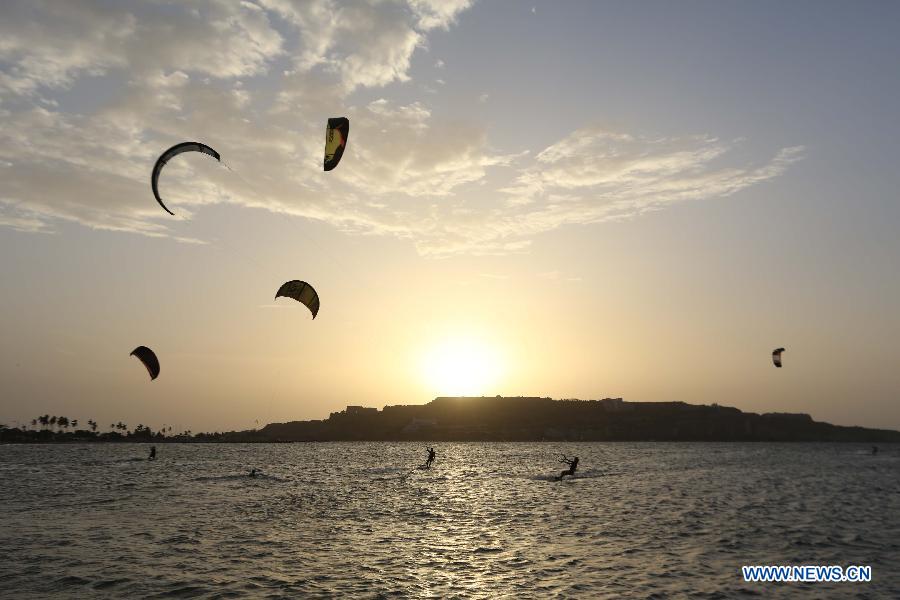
<point x="573" y="464"/>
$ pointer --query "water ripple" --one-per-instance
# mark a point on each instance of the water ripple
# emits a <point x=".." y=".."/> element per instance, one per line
<point x="359" y="520"/>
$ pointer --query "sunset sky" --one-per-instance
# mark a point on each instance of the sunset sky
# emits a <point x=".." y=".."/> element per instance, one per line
<point x="566" y="199"/>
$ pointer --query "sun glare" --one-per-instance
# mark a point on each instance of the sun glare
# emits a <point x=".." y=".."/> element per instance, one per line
<point x="461" y="367"/>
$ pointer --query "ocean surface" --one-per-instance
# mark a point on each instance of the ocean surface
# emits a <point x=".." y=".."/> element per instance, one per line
<point x="358" y="520"/>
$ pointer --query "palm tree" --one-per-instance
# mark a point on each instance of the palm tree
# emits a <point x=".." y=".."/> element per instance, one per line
<point x="34" y="422"/>
<point x="74" y="423"/>
<point x="53" y="421"/>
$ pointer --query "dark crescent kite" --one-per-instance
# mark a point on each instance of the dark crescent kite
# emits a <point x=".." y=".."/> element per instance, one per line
<point x="146" y="356"/>
<point x="169" y="155"/>
<point x="776" y="356"/>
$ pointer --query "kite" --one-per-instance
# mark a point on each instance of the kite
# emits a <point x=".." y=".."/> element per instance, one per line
<point x="336" y="133"/>
<point x="303" y="293"/>
<point x="169" y="155"/>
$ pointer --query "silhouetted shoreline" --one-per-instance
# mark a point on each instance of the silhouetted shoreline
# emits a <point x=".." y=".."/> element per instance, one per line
<point x="512" y="419"/>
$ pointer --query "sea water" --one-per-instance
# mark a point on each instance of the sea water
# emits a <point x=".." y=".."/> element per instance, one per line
<point x="359" y="520"/>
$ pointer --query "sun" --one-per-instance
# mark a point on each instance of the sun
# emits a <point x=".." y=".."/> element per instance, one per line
<point x="461" y="366"/>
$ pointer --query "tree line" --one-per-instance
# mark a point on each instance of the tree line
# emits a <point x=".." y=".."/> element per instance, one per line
<point x="49" y="428"/>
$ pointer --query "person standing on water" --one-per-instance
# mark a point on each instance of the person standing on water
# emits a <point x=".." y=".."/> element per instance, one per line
<point x="430" y="458"/>
<point x="573" y="464"/>
<point x="152" y="453"/>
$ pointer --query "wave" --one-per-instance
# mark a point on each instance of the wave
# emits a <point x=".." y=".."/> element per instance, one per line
<point x="241" y="477"/>
<point x="113" y="461"/>
<point x="385" y="470"/>
<point x="587" y="474"/>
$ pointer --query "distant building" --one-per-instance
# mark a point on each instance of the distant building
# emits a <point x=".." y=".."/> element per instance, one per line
<point x="615" y="405"/>
<point x="354" y="412"/>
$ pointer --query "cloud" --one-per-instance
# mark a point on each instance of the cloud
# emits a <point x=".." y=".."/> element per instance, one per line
<point x="361" y="43"/>
<point x="256" y="81"/>
<point x="438" y="13"/>
<point x="48" y="45"/>
<point x="402" y="151"/>
<point x="594" y="175"/>
<point x="22" y="222"/>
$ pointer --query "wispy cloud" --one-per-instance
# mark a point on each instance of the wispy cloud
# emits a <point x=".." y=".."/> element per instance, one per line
<point x="225" y="74"/>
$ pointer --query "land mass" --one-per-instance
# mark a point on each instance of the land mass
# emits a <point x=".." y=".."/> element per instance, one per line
<point x="512" y="419"/>
<point x="539" y="419"/>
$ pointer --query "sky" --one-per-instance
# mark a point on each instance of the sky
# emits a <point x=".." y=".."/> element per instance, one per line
<point x="566" y="199"/>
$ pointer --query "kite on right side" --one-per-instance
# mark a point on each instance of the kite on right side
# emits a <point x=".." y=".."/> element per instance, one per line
<point x="776" y="356"/>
